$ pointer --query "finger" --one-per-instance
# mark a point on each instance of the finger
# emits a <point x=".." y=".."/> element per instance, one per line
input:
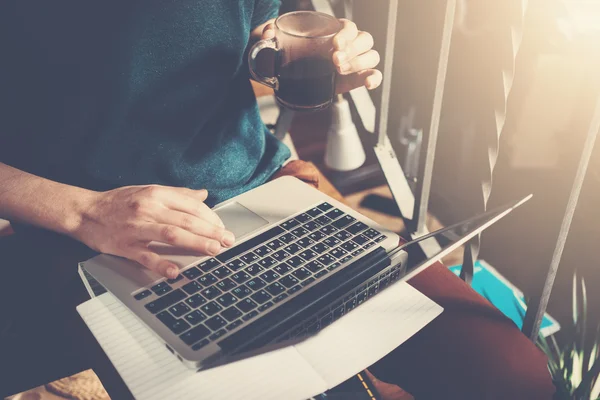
<point x="371" y="78"/>
<point x="201" y="194"/>
<point x="153" y="262"/>
<point x="360" y="45"/>
<point x="190" y="205"/>
<point x="268" y="31"/>
<point x="346" y="35"/>
<point x="197" y="226"/>
<point x="368" y="60"/>
<point x="178" y="237"/>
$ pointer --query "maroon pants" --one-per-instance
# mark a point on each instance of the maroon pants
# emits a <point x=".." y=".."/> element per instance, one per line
<point x="471" y="351"/>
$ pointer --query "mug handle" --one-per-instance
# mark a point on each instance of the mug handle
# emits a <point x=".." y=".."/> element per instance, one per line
<point x="271" y="82"/>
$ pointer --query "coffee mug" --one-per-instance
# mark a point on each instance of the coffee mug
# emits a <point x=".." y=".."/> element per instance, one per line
<point x="304" y="72"/>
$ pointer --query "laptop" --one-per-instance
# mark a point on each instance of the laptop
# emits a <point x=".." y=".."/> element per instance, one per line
<point x="301" y="261"/>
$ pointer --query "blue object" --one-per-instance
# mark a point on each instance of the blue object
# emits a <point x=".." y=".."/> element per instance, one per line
<point x="504" y="295"/>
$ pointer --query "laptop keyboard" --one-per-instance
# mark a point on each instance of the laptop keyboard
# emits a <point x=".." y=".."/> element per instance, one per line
<point x="219" y="295"/>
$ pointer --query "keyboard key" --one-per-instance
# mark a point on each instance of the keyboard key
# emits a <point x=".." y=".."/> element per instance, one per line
<point x="293" y="248"/>
<point x="314" y="266"/>
<point x="233" y="325"/>
<point x="161" y="288"/>
<point x="257" y="240"/>
<point x="217" y="334"/>
<point x="328" y="230"/>
<point x="227" y="299"/>
<point x="350" y="305"/>
<point x="269" y="276"/>
<point x="261" y="296"/>
<point x="142" y="295"/>
<point x="222" y="272"/>
<point x="208" y="265"/>
<point x="338" y="253"/>
<point x="195" y="317"/>
<point x="250" y="315"/>
<point x="357" y="252"/>
<point x="346" y="259"/>
<point x="338" y="312"/>
<point x="343" y="221"/>
<point x="246" y="305"/>
<point x="323" y="220"/>
<point x="371" y="233"/>
<point x="195" y="301"/>
<point x="211" y="308"/>
<point x="320" y="248"/>
<point x="299" y="232"/>
<point x="231" y="314"/>
<point x="321" y="273"/>
<point x="179" y="309"/>
<point x="343" y="235"/>
<point x="263" y="251"/>
<point x="240" y="277"/>
<point x="282" y="296"/>
<point x="332" y="241"/>
<point x="311" y="226"/>
<point x="287" y="238"/>
<point x="301" y="274"/>
<point x="275" y="289"/>
<point x="267" y="262"/>
<point x="236" y="264"/>
<point x="288" y="281"/>
<point x="308" y="281"/>
<point x="192" y="273"/>
<point x="302" y="218"/>
<point x="256" y="283"/>
<point x="313" y="212"/>
<point x="308" y="255"/>
<point x="207" y="280"/>
<point x="282" y="269"/>
<point x="215" y="323"/>
<point x="349" y="246"/>
<point x="249" y="258"/>
<point x="362" y="297"/>
<point x="195" y="334"/>
<point x="254" y="269"/>
<point x="200" y="344"/>
<point x="317" y="236"/>
<point x="326" y="320"/>
<point x="175" y="325"/>
<point x="305" y="242"/>
<point x="265" y="306"/>
<point x="326" y="259"/>
<point x="324" y="206"/>
<point x="211" y="292"/>
<point x="280" y="255"/>
<point x="360" y="239"/>
<point x="177" y="279"/>
<point x="166" y="301"/>
<point x="294" y="289"/>
<point x="275" y="244"/>
<point x="226" y="285"/>
<point x="368" y="245"/>
<point x="333" y="266"/>
<point x="295" y="262"/>
<point x="290" y="224"/>
<point x="356" y="228"/>
<point x="334" y="214"/>
<point x="241" y="291"/>
<point x="192" y="287"/>
<point x="380" y="239"/>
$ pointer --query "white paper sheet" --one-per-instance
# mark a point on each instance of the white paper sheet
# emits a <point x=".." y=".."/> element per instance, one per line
<point x="319" y="363"/>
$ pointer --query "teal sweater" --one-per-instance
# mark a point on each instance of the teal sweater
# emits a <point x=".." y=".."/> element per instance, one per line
<point x="111" y="93"/>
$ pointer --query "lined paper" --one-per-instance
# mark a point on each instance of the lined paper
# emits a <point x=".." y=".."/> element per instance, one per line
<point x="311" y="367"/>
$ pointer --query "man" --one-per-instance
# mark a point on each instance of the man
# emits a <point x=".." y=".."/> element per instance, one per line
<point x="121" y="123"/>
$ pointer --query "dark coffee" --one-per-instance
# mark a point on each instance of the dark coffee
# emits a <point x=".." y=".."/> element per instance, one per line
<point x="306" y="82"/>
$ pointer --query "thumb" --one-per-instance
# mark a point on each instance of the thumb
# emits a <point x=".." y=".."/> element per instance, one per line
<point x="268" y="31"/>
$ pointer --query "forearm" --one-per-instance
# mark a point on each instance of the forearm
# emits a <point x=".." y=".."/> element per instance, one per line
<point x="33" y="200"/>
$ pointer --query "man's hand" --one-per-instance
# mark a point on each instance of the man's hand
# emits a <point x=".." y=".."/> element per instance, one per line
<point x="124" y="221"/>
<point x="353" y="57"/>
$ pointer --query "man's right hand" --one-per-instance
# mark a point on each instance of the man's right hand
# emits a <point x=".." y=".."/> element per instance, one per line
<point x="124" y="221"/>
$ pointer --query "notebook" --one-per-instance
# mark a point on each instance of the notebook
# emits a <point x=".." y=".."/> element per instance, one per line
<point x="302" y="371"/>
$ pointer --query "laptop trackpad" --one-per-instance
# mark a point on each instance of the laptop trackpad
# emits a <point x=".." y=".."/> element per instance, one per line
<point x="239" y="220"/>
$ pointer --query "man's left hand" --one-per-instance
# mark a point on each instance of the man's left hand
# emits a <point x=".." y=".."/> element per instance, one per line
<point x="353" y="57"/>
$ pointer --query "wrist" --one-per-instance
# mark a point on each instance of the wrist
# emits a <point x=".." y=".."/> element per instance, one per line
<point x="80" y="204"/>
